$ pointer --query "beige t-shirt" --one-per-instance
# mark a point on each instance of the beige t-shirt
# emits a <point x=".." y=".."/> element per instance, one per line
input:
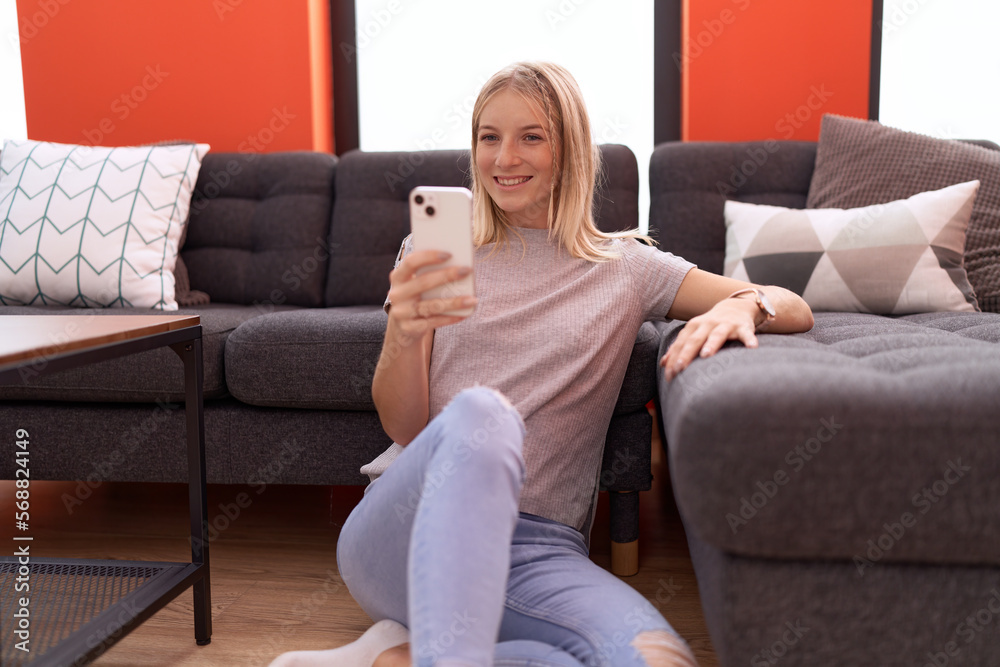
<point x="554" y="334"/>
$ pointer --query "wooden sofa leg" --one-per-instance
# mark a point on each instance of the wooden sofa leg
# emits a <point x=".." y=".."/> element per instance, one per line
<point x="624" y="533"/>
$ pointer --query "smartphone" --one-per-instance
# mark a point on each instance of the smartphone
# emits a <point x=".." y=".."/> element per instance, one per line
<point x="441" y="219"/>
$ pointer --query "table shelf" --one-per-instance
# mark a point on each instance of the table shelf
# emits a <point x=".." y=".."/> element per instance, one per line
<point x="80" y="608"/>
<point x="78" y="605"/>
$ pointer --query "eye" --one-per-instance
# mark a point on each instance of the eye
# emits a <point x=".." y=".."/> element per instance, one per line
<point x="488" y="137"/>
<point x="534" y="137"/>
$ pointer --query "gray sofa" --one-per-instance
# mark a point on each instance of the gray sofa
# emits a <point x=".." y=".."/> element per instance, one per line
<point x="840" y="488"/>
<point x="294" y="250"/>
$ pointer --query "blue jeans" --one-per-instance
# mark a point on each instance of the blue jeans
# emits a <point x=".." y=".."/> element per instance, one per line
<point x="437" y="544"/>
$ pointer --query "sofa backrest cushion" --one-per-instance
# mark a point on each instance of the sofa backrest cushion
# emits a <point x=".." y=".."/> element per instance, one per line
<point x="259" y="225"/>
<point x="371" y="217"/>
<point x="689" y="183"/>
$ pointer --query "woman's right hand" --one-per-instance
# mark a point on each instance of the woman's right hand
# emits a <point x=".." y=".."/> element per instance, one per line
<point x="413" y="315"/>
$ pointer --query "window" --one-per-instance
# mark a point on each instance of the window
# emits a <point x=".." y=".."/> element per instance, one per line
<point x="13" y="123"/>
<point x="937" y="67"/>
<point x="421" y="65"/>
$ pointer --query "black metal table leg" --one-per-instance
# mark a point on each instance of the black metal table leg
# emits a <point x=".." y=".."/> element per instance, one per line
<point x="191" y="354"/>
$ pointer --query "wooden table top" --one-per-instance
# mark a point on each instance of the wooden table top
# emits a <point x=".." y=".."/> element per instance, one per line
<point x="27" y="337"/>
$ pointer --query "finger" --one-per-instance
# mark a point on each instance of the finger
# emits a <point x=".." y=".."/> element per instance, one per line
<point x="417" y="285"/>
<point x="692" y="347"/>
<point x="679" y="341"/>
<point x="669" y="360"/>
<point x="431" y="307"/>
<point x="417" y="260"/>
<point x="438" y="321"/>
<point x="747" y="335"/>
<point x="680" y="354"/>
<point x="715" y="340"/>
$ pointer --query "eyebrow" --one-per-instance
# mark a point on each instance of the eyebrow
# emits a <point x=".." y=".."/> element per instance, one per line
<point x="536" y="126"/>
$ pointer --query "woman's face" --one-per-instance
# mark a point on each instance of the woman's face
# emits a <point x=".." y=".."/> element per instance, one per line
<point x="514" y="158"/>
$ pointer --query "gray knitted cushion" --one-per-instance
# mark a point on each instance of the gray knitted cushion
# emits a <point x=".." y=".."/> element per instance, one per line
<point x="860" y="163"/>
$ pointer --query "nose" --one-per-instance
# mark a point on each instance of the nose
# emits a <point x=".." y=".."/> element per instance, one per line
<point x="507" y="155"/>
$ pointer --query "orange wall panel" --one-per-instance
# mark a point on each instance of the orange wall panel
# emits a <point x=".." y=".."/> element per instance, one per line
<point x="769" y="69"/>
<point x="239" y="75"/>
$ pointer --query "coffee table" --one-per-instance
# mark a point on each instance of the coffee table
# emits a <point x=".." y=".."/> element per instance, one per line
<point x="76" y="609"/>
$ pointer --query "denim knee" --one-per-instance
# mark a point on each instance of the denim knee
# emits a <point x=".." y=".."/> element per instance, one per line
<point x="488" y="429"/>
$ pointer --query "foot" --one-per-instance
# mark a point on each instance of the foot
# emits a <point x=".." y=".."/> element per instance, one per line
<point x="384" y="635"/>
<point x="397" y="656"/>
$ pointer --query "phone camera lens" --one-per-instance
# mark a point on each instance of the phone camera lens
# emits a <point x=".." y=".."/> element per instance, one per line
<point x="419" y="199"/>
<point x="430" y="210"/>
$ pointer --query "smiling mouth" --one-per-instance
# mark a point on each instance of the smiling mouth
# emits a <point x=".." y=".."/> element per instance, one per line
<point x="511" y="181"/>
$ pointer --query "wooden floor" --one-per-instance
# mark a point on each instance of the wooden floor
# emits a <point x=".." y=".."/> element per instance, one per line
<point x="275" y="585"/>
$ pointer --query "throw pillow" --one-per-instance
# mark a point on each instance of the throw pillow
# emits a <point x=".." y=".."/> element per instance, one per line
<point x="859" y="163"/>
<point x="889" y="259"/>
<point x="183" y="293"/>
<point x="93" y="226"/>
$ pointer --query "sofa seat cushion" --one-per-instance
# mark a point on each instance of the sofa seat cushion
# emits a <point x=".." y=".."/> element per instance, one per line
<point x="324" y="358"/>
<point x="313" y="358"/>
<point x="146" y="377"/>
<point x="868" y="438"/>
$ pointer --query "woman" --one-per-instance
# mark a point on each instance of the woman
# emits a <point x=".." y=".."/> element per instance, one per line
<point x="472" y="545"/>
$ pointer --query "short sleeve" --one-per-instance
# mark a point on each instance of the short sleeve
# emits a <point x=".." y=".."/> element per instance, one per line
<point x="405" y="248"/>
<point x="657" y="275"/>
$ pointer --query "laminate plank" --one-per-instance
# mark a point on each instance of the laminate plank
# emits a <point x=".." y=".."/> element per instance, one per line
<point x="275" y="585"/>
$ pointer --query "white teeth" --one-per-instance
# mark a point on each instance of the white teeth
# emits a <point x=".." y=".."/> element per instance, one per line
<point x="511" y="181"/>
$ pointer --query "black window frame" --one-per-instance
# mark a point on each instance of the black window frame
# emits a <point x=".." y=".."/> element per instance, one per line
<point x="667" y="20"/>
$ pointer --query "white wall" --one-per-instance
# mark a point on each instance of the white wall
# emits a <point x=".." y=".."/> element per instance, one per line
<point x="940" y="67"/>
<point x="13" y="124"/>
<point x="421" y="65"/>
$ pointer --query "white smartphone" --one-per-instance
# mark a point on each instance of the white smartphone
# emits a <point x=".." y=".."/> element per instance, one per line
<point x="441" y="219"/>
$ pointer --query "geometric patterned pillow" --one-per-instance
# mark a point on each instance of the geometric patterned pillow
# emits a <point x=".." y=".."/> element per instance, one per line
<point x="862" y="162"/>
<point x="93" y="226"/>
<point x="890" y="259"/>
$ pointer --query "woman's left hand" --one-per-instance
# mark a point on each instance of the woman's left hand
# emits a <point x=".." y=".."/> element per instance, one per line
<point x="704" y="335"/>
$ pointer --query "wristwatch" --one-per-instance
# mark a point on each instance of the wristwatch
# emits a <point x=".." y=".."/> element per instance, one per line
<point x="762" y="302"/>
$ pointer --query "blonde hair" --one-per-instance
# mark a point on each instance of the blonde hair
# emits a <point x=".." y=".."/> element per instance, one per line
<point x="575" y="169"/>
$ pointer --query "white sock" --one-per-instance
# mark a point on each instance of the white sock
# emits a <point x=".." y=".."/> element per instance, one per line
<point x="360" y="653"/>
